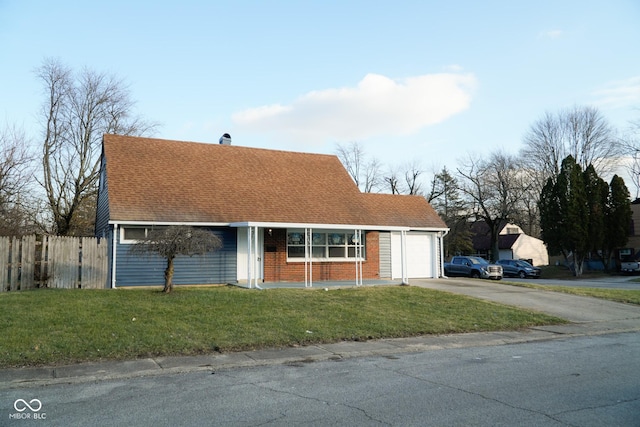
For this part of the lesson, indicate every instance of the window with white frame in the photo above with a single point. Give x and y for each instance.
(133, 234)
(326, 245)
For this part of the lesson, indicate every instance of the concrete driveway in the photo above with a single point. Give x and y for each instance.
(575, 308)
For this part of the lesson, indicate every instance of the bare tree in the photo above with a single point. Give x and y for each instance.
(404, 179)
(494, 188)
(364, 170)
(631, 147)
(633, 169)
(581, 132)
(169, 242)
(391, 179)
(16, 171)
(78, 110)
(412, 173)
(371, 175)
(527, 215)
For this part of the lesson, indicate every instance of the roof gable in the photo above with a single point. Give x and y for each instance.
(155, 180)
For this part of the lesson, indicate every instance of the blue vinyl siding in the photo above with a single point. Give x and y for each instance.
(212, 268)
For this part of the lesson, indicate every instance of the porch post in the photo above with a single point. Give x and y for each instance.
(441, 253)
(357, 239)
(256, 255)
(249, 278)
(308, 257)
(403, 252)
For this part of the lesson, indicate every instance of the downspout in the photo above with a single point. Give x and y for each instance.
(358, 255)
(249, 256)
(441, 263)
(403, 256)
(114, 240)
(308, 258)
(255, 257)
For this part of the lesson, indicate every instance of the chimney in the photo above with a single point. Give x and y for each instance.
(225, 139)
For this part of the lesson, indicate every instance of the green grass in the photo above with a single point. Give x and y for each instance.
(618, 295)
(564, 273)
(56, 326)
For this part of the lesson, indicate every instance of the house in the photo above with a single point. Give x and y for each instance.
(282, 216)
(513, 243)
(632, 249)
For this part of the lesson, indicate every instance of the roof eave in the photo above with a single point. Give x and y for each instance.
(282, 225)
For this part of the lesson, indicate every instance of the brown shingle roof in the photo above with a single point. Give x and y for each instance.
(158, 180)
(401, 211)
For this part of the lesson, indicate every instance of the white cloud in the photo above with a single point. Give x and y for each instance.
(619, 93)
(454, 68)
(377, 106)
(552, 34)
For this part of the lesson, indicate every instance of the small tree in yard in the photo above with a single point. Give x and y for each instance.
(176, 240)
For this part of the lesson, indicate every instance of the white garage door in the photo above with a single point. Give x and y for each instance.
(419, 255)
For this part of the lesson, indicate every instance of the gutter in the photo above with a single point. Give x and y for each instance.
(444, 233)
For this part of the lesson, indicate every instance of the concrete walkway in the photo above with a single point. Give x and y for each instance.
(589, 316)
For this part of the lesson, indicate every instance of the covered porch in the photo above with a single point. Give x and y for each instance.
(326, 255)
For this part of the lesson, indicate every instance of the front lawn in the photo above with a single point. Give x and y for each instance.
(56, 326)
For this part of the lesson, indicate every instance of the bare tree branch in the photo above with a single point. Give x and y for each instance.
(364, 171)
(581, 132)
(77, 112)
(17, 210)
(169, 242)
(494, 186)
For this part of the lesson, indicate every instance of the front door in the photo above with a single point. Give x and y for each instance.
(250, 255)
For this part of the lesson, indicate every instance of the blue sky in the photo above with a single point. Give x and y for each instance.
(409, 80)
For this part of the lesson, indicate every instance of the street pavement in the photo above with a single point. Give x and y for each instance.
(588, 317)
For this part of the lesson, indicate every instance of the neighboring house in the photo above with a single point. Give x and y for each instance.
(632, 250)
(262, 203)
(512, 243)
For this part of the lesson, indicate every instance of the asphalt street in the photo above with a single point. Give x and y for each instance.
(583, 373)
(580, 381)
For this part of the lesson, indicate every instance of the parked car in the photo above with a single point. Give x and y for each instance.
(519, 268)
(472, 266)
(630, 267)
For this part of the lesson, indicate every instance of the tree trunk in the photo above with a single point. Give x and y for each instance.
(168, 276)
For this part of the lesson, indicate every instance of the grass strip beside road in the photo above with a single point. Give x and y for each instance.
(58, 326)
(617, 295)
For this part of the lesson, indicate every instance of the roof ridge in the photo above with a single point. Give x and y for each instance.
(216, 144)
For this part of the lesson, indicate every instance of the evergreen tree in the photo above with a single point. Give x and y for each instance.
(617, 218)
(446, 200)
(580, 213)
(597, 192)
(550, 221)
(565, 214)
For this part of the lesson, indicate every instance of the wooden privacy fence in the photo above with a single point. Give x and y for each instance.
(52, 262)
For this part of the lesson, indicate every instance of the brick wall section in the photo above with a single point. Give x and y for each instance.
(277, 269)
